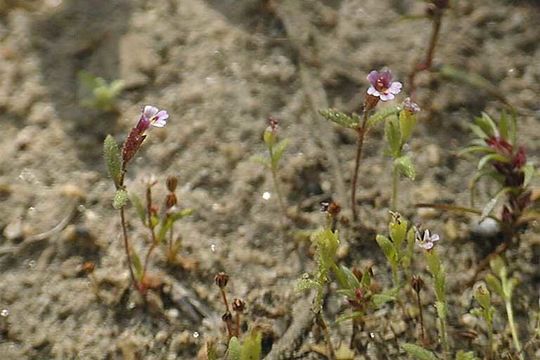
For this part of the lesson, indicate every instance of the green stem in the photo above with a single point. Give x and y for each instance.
(361, 131)
(322, 324)
(395, 180)
(126, 248)
(513, 330)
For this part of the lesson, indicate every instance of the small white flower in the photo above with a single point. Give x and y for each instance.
(427, 241)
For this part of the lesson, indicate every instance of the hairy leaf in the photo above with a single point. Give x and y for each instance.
(120, 198)
(418, 352)
(113, 159)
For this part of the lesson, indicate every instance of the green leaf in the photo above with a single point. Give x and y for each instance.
(113, 159)
(405, 166)
(120, 198)
(477, 130)
(528, 171)
(340, 118)
(477, 149)
(418, 352)
(347, 279)
(487, 124)
(381, 299)
(307, 284)
(137, 265)
(488, 208)
(407, 121)
(398, 231)
(491, 158)
(495, 285)
(393, 137)
(482, 295)
(234, 350)
(141, 211)
(277, 151)
(261, 160)
(505, 126)
(165, 227)
(181, 214)
(388, 248)
(351, 316)
(381, 115)
(462, 355)
(211, 352)
(251, 348)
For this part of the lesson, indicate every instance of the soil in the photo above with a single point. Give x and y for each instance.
(220, 68)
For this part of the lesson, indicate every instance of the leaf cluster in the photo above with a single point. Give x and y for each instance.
(98, 93)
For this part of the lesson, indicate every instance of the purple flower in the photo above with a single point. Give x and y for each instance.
(427, 241)
(151, 115)
(382, 85)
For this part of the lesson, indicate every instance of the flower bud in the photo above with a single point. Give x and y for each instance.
(227, 317)
(221, 280)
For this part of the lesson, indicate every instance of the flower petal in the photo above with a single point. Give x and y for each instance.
(385, 77)
(395, 88)
(387, 96)
(162, 115)
(373, 76)
(159, 123)
(150, 111)
(373, 91)
(435, 237)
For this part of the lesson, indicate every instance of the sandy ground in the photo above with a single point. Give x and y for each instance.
(220, 68)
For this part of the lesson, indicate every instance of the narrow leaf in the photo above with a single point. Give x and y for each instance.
(388, 248)
(234, 350)
(251, 348)
(418, 352)
(137, 265)
(111, 152)
(339, 118)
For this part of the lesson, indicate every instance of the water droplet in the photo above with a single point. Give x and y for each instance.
(266, 195)
(213, 247)
(372, 335)
(81, 208)
(4, 313)
(196, 334)
(511, 70)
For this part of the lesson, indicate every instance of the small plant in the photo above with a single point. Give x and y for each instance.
(381, 88)
(117, 164)
(427, 242)
(246, 347)
(398, 248)
(99, 94)
(398, 131)
(486, 311)
(504, 286)
(275, 148)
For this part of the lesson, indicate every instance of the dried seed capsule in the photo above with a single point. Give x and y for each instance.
(221, 279)
(417, 283)
(172, 183)
(238, 305)
(170, 200)
(227, 317)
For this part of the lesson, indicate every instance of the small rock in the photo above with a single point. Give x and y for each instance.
(14, 230)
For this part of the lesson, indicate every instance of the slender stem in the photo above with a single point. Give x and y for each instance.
(150, 227)
(329, 347)
(513, 330)
(428, 62)
(224, 297)
(361, 131)
(171, 255)
(277, 189)
(127, 249)
(419, 304)
(444, 336)
(237, 324)
(395, 180)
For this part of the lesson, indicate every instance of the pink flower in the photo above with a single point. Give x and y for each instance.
(427, 241)
(382, 85)
(151, 115)
(411, 106)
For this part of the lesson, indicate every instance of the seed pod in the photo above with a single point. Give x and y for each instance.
(221, 280)
(417, 283)
(170, 200)
(172, 183)
(238, 305)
